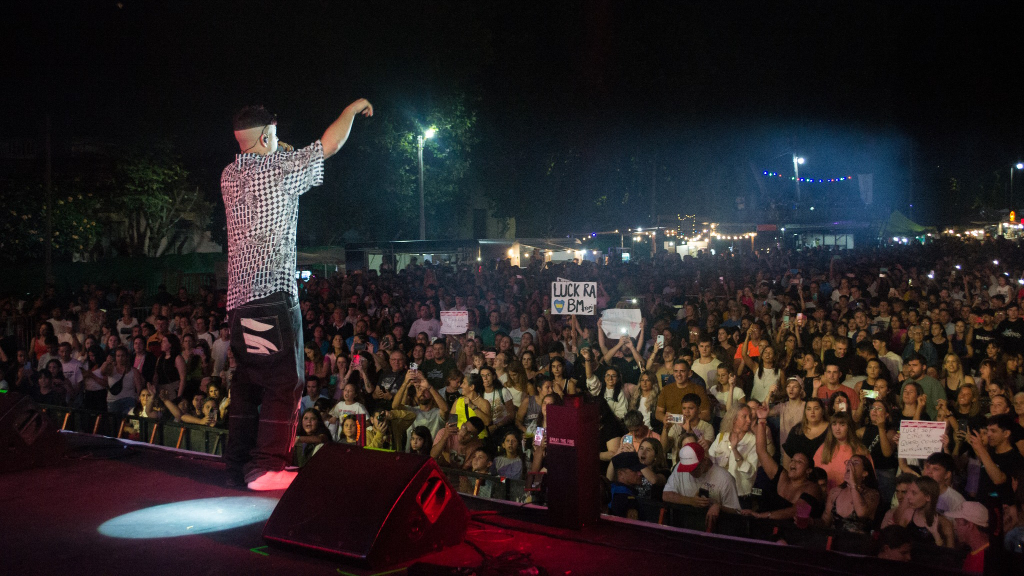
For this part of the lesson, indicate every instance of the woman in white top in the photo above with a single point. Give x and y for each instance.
(735, 448)
(644, 398)
(613, 393)
(147, 406)
(725, 391)
(124, 382)
(502, 410)
(518, 383)
(766, 373)
(348, 406)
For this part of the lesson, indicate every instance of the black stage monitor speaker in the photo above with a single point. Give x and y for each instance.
(28, 437)
(574, 474)
(369, 507)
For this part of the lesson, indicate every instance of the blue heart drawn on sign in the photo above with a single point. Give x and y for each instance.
(559, 304)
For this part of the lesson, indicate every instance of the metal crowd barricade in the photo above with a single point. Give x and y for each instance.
(180, 435)
(689, 517)
(486, 485)
(21, 328)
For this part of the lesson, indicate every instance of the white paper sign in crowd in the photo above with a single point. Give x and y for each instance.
(619, 322)
(574, 298)
(454, 321)
(920, 439)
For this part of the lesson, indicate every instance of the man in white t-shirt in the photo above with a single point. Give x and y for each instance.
(706, 365)
(425, 323)
(72, 369)
(892, 361)
(219, 349)
(939, 467)
(697, 481)
(202, 331)
(524, 326)
(125, 324)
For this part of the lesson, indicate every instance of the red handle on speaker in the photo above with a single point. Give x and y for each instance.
(433, 497)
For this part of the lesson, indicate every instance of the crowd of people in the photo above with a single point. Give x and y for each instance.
(771, 383)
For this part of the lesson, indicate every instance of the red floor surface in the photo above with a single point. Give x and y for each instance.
(50, 519)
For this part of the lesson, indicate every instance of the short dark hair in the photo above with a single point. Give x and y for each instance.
(681, 360)
(1003, 421)
(691, 397)
(477, 423)
(252, 117)
(919, 357)
(832, 362)
(941, 459)
(1003, 396)
(893, 537)
(904, 479)
(866, 347)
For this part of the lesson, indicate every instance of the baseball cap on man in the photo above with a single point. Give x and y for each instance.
(973, 512)
(690, 456)
(627, 461)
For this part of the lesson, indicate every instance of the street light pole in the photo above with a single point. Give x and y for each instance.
(423, 215)
(1018, 166)
(797, 161)
(419, 150)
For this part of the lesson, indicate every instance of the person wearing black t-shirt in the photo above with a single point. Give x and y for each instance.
(44, 391)
(390, 379)
(437, 369)
(983, 335)
(1011, 330)
(1000, 404)
(1000, 458)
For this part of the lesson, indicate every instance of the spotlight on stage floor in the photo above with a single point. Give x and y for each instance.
(190, 517)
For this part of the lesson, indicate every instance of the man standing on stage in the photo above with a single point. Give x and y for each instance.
(261, 191)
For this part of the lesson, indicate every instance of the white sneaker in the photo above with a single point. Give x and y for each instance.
(280, 480)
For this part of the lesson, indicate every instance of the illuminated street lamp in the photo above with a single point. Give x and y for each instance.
(797, 161)
(1018, 166)
(419, 148)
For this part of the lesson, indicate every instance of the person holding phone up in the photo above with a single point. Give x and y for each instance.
(417, 404)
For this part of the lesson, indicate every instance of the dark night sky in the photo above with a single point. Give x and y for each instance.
(915, 92)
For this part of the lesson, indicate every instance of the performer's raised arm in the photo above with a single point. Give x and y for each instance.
(337, 133)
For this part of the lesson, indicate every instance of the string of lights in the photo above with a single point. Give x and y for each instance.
(809, 180)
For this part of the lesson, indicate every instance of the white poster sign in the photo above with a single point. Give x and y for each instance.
(920, 439)
(454, 322)
(574, 298)
(619, 322)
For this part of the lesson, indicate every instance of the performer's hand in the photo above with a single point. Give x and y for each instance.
(363, 106)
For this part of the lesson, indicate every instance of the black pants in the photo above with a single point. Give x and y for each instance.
(266, 341)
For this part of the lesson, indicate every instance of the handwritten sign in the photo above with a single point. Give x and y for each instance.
(619, 322)
(454, 321)
(574, 298)
(920, 439)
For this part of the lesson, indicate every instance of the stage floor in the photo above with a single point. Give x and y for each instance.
(67, 518)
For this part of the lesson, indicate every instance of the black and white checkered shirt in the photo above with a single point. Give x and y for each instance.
(261, 198)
